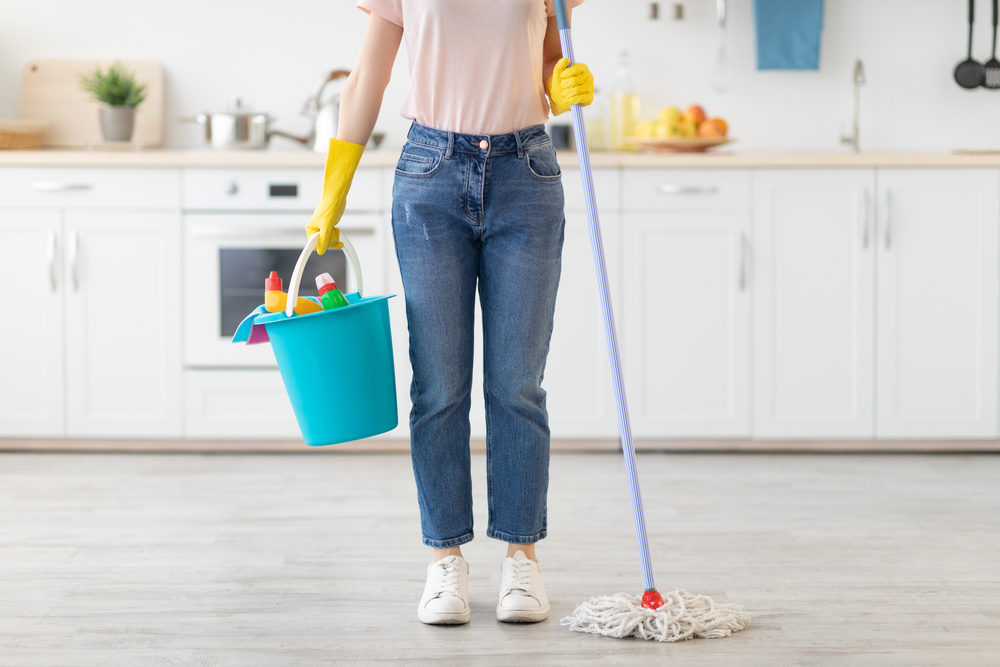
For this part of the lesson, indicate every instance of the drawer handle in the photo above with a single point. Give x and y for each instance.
(687, 189)
(56, 186)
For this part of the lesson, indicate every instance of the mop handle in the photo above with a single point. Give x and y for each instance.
(580, 134)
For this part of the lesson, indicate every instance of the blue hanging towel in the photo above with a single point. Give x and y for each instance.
(788, 33)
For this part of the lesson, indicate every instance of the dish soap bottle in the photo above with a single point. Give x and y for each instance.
(329, 295)
(624, 107)
(275, 300)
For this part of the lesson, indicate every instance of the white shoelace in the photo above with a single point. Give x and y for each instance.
(447, 577)
(519, 577)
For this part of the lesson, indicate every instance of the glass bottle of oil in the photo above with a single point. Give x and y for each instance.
(624, 107)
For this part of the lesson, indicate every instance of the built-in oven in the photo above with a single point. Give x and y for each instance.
(231, 245)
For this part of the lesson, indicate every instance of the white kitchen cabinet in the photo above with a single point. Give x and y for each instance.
(580, 397)
(123, 348)
(938, 273)
(814, 303)
(31, 324)
(686, 323)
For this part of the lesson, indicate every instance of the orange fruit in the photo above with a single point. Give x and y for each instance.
(709, 129)
(723, 125)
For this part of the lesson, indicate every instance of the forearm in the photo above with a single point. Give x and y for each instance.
(360, 103)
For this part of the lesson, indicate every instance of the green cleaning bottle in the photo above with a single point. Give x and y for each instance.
(329, 295)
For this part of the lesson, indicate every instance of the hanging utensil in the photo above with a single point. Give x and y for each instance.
(720, 70)
(992, 67)
(970, 73)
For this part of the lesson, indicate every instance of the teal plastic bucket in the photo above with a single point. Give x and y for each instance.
(337, 365)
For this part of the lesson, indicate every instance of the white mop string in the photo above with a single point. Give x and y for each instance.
(682, 616)
(597, 247)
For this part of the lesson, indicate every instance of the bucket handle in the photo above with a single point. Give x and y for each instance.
(300, 267)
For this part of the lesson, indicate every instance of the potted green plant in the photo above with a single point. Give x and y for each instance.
(121, 93)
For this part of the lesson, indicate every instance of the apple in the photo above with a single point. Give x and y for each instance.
(670, 115)
(695, 113)
(688, 128)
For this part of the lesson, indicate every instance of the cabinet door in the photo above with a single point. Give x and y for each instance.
(31, 364)
(577, 381)
(937, 303)
(123, 329)
(814, 301)
(686, 342)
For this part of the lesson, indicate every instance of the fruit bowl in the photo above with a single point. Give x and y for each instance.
(677, 144)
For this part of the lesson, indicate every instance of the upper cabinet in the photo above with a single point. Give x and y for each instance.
(938, 273)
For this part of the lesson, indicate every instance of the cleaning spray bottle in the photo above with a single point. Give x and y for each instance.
(275, 300)
(329, 295)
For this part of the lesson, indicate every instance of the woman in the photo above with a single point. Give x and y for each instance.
(477, 201)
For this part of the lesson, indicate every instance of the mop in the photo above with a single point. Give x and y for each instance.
(681, 615)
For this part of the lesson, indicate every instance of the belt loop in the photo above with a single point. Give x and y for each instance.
(451, 146)
(520, 146)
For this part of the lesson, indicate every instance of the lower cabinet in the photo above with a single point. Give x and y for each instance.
(31, 324)
(938, 274)
(876, 303)
(814, 303)
(686, 323)
(103, 286)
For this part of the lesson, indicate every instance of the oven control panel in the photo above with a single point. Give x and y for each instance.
(271, 190)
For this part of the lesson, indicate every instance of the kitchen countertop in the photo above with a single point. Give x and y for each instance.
(386, 158)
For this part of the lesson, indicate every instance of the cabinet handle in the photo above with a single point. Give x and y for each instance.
(886, 219)
(743, 261)
(50, 254)
(864, 218)
(686, 189)
(56, 186)
(74, 255)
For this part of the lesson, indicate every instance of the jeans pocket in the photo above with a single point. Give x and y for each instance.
(419, 161)
(540, 161)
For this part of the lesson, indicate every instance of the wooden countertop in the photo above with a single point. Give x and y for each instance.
(387, 158)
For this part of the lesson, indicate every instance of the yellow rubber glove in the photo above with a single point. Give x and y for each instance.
(342, 160)
(569, 85)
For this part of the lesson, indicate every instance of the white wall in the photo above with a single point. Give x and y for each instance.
(270, 53)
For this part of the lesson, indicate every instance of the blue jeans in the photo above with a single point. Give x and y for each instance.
(472, 210)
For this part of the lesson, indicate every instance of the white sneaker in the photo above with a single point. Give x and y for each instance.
(446, 594)
(522, 593)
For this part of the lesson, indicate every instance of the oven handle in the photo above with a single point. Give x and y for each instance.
(227, 232)
(300, 267)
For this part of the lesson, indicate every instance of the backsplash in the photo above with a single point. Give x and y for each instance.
(270, 55)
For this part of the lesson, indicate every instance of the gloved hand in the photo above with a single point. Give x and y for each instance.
(342, 160)
(569, 85)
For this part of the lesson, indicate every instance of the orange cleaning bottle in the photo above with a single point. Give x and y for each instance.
(275, 300)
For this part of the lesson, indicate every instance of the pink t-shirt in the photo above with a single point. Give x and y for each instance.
(475, 65)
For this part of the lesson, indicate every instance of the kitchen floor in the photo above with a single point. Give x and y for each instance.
(312, 559)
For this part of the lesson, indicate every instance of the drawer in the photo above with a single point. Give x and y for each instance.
(686, 189)
(272, 190)
(91, 187)
(605, 189)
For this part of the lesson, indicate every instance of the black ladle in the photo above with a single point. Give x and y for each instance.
(969, 73)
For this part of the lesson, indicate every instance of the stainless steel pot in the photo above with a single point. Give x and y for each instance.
(237, 128)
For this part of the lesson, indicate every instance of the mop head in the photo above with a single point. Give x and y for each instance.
(682, 616)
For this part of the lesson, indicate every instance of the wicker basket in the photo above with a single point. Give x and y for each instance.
(22, 133)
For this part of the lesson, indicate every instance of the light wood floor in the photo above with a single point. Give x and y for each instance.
(279, 559)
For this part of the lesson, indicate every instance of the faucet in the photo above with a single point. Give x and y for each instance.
(859, 80)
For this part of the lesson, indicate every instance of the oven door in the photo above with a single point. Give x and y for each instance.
(227, 257)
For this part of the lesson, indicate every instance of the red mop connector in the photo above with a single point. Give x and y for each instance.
(652, 599)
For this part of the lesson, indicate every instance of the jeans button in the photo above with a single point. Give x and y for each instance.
(484, 144)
